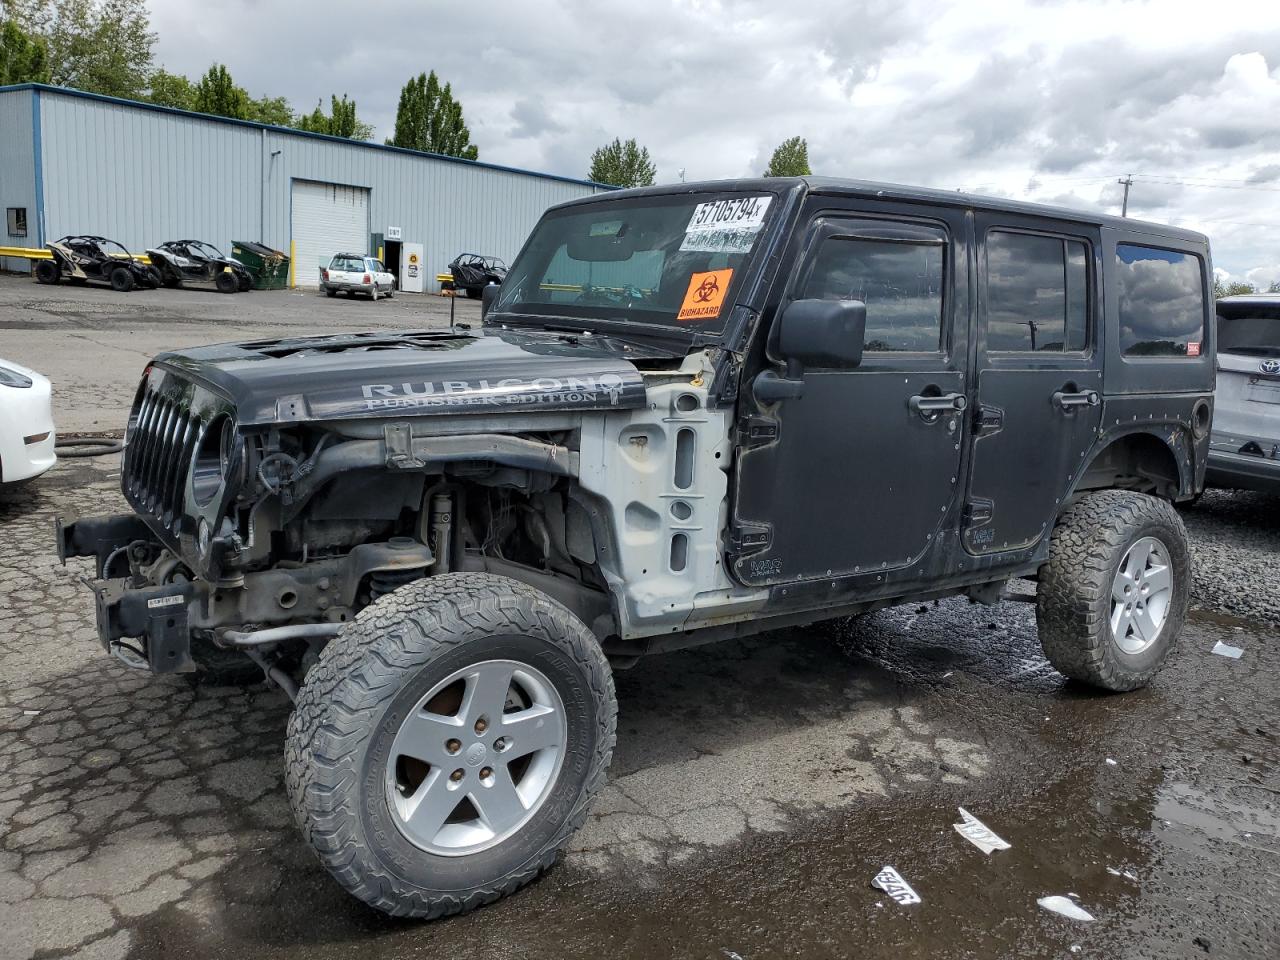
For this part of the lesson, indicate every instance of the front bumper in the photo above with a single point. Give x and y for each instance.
(26, 413)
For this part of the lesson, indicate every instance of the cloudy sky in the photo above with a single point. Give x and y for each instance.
(1043, 100)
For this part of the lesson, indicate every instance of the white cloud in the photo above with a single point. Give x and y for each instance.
(1049, 101)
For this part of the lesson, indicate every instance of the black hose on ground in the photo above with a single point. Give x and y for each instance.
(87, 446)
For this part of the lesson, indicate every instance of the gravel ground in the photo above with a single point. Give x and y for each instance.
(1235, 541)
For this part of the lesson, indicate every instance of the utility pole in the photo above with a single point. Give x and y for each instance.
(1128, 182)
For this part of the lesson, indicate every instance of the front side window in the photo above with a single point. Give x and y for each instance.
(657, 260)
(1161, 302)
(1037, 293)
(900, 281)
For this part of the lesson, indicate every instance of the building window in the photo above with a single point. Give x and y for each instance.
(1161, 302)
(900, 281)
(1037, 294)
(16, 218)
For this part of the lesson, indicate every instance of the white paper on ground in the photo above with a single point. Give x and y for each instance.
(978, 833)
(890, 881)
(1226, 650)
(1066, 907)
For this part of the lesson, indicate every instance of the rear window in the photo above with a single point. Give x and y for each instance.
(347, 263)
(1037, 293)
(1161, 302)
(1251, 330)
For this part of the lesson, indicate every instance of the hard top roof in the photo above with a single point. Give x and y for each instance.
(837, 186)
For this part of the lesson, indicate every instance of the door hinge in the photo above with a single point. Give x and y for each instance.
(978, 512)
(757, 430)
(747, 538)
(987, 420)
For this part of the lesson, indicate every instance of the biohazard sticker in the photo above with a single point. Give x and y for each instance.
(705, 296)
(725, 226)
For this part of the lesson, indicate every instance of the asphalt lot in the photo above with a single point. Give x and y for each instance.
(757, 787)
(93, 342)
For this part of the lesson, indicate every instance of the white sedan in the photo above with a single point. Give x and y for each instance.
(355, 273)
(27, 436)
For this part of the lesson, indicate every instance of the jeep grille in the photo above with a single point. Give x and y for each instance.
(158, 455)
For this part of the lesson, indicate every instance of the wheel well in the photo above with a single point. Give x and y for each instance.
(1137, 461)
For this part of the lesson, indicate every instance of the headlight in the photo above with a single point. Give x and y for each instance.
(12, 378)
(212, 460)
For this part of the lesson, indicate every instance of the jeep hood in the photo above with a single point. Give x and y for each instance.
(415, 374)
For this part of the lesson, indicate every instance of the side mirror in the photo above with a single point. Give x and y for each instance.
(813, 333)
(488, 297)
(823, 333)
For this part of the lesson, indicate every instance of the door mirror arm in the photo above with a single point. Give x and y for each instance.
(768, 387)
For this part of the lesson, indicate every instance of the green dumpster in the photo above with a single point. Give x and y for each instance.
(270, 268)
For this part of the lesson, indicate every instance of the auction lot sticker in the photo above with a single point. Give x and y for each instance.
(705, 296)
(725, 226)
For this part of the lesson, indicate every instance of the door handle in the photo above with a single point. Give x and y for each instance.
(1065, 400)
(930, 408)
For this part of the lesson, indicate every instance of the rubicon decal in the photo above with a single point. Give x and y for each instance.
(595, 390)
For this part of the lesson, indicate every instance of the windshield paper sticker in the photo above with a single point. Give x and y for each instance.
(705, 296)
(725, 226)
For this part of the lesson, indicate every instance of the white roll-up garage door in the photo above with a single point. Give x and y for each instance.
(327, 219)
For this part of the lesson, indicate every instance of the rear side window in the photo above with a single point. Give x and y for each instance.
(1037, 294)
(900, 281)
(1161, 302)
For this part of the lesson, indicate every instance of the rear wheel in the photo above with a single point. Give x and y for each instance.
(448, 743)
(475, 293)
(330, 293)
(226, 283)
(121, 279)
(154, 277)
(245, 284)
(48, 271)
(1113, 596)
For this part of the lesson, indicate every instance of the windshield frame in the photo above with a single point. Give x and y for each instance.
(746, 286)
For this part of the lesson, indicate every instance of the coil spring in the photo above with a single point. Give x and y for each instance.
(383, 582)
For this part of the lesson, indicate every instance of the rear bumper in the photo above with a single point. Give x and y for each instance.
(347, 287)
(1238, 471)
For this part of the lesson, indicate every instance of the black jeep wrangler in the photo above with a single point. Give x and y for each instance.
(693, 412)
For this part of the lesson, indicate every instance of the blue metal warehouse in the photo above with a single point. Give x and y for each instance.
(74, 162)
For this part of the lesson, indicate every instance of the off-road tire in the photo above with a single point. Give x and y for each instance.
(244, 284)
(331, 293)
(121, 279)
(48, 271)
(226, 283)
(351, 705)
(154, 278)
(475, 293)
(1073, 600)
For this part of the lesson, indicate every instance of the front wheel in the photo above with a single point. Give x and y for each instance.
(121, 279)
(449, 742)
(1113, 595)
(226, 283)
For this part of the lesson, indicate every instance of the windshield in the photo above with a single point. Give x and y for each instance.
(668, 261)
(1253, 330)
(206, 250)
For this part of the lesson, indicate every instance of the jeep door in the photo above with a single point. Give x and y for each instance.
(1039, 375)
(853, 479)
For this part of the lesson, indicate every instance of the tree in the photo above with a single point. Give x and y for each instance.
(273, 110)
(622, 165)
(103, 46)
(23, 58)
(172, 90)
(1233, 288)
(341, 121)
(430, 119)
(218, 94)
(791, 159)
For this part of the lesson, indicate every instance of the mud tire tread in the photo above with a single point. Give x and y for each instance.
(357, 676)
(1073, 597)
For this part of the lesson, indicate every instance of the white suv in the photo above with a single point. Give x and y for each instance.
(355, 273)
(1244, 449)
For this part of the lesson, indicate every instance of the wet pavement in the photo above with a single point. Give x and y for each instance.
(757, 788)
